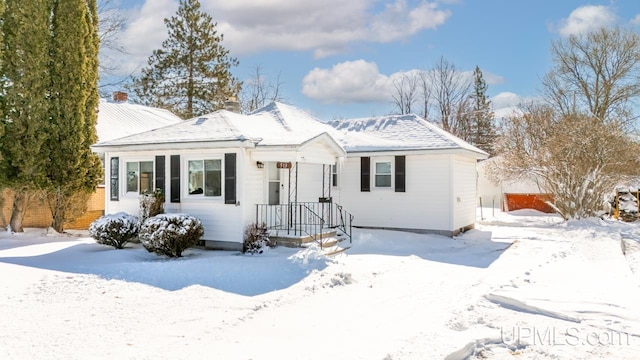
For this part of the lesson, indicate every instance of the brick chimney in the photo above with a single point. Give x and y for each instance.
(232, 104)
(120, 96)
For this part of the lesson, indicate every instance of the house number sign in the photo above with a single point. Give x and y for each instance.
(283, 165)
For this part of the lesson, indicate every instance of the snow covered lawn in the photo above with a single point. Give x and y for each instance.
(521, 286)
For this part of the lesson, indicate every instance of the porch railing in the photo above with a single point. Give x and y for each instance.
(305, 218)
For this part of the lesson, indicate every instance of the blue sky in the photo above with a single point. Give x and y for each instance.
(336, 58)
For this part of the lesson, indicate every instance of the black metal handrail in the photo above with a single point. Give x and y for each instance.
(296, 218)
(309, 218)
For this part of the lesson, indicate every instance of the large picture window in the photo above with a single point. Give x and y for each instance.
(140, 176)
(383, 174)
(205, 177)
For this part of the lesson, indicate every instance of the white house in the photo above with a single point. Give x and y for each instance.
(282, 166)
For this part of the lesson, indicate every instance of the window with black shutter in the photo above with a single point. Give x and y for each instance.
(115, 179)
(230, 178)
(365, 174)
(175, 178)
(400, 165)
(160, 174)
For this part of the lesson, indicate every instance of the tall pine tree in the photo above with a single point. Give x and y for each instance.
(482, 127)
(74, 170)
(25, 109)
(190, 75)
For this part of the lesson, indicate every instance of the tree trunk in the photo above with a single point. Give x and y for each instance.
(58, 221)
(57, 206)
(20, 202)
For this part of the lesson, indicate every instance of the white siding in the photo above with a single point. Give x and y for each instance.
(309, 182)
(464, 192)
(424, 206)
(254, 187)
(222, 222)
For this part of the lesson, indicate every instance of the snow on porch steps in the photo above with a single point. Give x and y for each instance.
(292, 240)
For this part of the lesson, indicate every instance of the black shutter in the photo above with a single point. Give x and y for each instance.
(160, 174)
(400, 173)
(230, 178)
(114, 182)
(175, 178)
(365, 174)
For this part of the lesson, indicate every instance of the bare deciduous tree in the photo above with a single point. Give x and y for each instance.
(111, 24)
(258, 91)
(450, 89)
(405, 92)
(426, 92)
(598, 73)
(577, 158)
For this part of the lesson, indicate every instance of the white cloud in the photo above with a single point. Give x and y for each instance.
(398, 21)
(587, 18)
(506, 100)
(249, 26)
(145, 32)
(636, 20)
(350, 81)
(361, 81)
(324, 27)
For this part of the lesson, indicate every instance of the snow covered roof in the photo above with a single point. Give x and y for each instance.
(120, 119)
(276, 124)
(397, 132)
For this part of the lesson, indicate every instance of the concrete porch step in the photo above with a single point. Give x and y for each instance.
(334, 250)
(290, 240)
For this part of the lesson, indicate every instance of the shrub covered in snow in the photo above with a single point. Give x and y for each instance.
(151, 204)
(256, 238)
(115, 229)
(170, 234)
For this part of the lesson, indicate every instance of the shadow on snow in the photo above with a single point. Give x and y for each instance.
(474, 248)
(223, 270)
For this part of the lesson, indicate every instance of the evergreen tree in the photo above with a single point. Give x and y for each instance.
(190, 75)
(482, 128)
(25, 73)
(74, 170)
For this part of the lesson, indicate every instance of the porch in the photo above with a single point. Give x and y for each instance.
(297, 224)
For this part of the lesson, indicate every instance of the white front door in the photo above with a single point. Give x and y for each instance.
(273, 179)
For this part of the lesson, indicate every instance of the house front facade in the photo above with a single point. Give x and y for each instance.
(227, 169)
(282, 167)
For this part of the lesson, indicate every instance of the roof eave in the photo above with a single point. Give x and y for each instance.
(224, 144)
(443, 151)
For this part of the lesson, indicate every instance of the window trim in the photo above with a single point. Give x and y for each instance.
(380, 160)
(124, 172)
(185, 176)
(334, 175)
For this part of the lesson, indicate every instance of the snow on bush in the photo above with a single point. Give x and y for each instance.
(115, 229)
(256, 239)
(170, 234)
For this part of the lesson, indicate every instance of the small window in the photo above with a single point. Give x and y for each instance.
(334, 175)
(140, 176)
(383, 174)
(205, 177)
